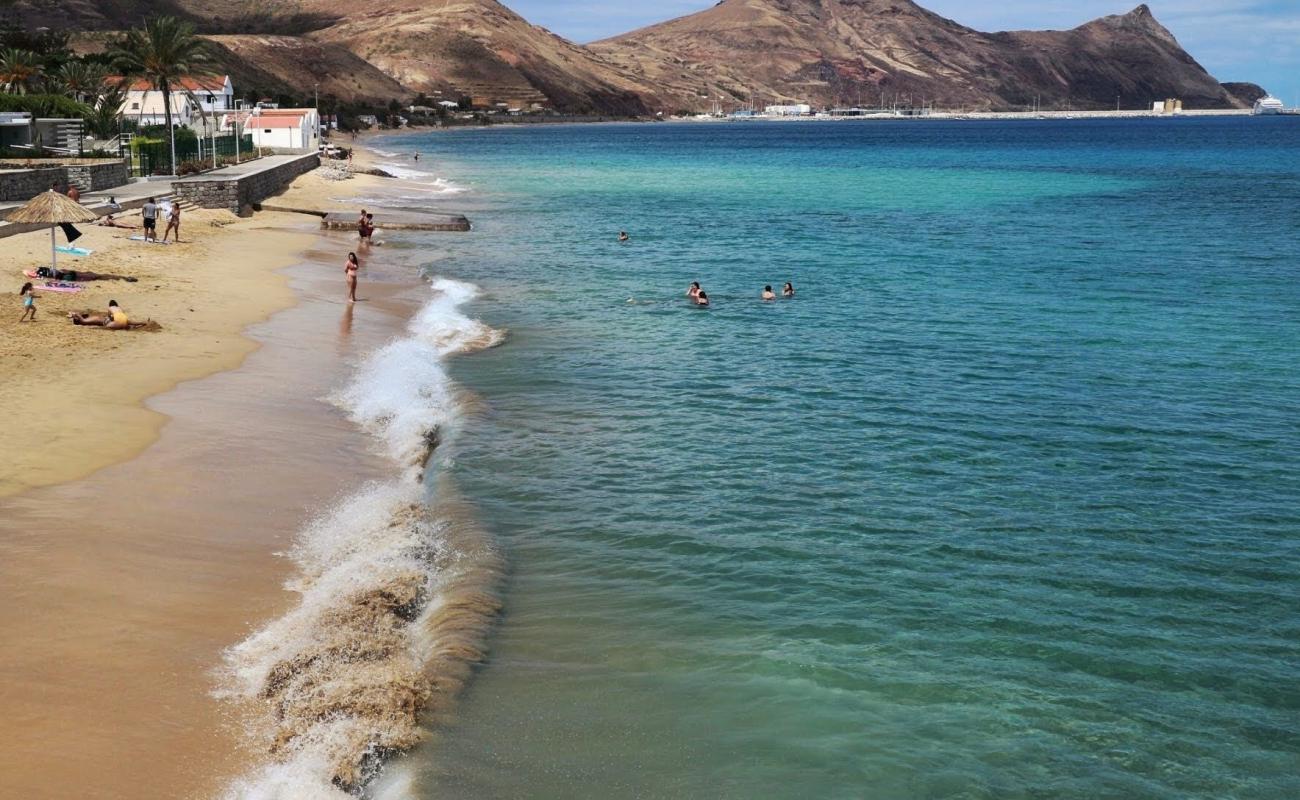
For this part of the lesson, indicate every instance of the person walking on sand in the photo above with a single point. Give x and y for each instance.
(173, 223)
(350, 269)
(768, 294)
(149, 213)
(29, 295)
(74, 194)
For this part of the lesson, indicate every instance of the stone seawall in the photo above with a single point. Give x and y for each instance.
(24, 184)
(234, 188)
(96, 176)
(23, 180)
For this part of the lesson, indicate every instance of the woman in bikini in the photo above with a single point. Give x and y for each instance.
(350, 269)
(173, 222)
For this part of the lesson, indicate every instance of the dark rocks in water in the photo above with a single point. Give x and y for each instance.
(375, 171)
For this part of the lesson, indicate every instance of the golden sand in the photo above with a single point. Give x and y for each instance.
(123, 587)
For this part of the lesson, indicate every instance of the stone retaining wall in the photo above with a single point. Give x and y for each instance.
(234, 190)
(24, 184)
(101, 175)
(23, 180)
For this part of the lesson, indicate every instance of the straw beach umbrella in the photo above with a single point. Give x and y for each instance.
(51, 208)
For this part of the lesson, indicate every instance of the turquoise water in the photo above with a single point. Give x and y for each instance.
(1004, 504)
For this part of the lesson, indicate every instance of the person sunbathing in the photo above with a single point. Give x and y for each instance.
(79, 275)
(115, 320)
(107, 221)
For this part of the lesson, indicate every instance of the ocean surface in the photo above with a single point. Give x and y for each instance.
(1005, 503)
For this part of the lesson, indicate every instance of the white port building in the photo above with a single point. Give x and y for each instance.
(796, 110)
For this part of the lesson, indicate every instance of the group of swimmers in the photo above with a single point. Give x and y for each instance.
(366, 227)
(701, 298)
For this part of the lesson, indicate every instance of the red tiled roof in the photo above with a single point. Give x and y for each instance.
(213, 84)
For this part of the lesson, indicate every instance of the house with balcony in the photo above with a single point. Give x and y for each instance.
(195, 100)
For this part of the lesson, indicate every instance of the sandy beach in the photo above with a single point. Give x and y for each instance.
(145, 503)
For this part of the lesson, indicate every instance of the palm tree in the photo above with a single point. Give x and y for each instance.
(85, 80)
(163, 52)
(103, 117)
(18, 70)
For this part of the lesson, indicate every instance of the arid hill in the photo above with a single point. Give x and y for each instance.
(481, 48)
(824, 52)
(851, 51)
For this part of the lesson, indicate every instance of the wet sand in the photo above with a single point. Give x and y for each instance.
(122, 589)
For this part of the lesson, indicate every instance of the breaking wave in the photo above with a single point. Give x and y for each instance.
(395, 592)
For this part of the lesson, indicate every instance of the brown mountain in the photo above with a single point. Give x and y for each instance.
(851, 51)
(479, 48)
(825, 52)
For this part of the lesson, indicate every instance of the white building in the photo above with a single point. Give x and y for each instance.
(190, 101)
(277, 128)
(796, 110)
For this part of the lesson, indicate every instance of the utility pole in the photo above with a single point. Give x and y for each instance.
(239, 108)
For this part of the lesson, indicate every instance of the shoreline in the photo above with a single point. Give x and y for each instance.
(141, 541)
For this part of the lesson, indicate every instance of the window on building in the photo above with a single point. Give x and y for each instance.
(135, 106)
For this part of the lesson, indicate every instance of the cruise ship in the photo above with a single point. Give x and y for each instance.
(1268, 104)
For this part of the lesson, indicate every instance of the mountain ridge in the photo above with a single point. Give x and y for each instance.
(737, 52)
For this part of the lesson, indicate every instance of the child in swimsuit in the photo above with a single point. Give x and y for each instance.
(28, 294)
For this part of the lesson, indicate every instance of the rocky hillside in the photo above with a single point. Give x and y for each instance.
(482, 49)
(851, 51)
(825, 52)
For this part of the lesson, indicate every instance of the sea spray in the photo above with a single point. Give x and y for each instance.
(395, 595)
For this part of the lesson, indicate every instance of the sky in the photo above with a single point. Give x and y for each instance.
(1236, 40)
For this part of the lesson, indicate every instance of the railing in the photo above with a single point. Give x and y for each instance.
(154, 158)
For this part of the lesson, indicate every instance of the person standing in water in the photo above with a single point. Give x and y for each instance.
(702, 300)
(623, 237)
(694, 290)
(29, 295)
(350, 270)
(787, 290)
(768, 294)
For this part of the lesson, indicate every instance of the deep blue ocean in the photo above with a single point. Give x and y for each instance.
(1005, 503)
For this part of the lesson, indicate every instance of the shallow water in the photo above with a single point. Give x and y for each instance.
(1003, 504)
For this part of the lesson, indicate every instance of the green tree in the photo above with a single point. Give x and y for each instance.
(162, 53)
(19, 70)
(83, 80)
(103, 117)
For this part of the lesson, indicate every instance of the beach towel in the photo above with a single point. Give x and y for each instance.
(73, 251)
(58, 286)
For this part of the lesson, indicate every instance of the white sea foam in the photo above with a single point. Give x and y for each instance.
(422, 178)
(394, 595)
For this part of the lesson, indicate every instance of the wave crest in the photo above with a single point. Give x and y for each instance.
(395, 596)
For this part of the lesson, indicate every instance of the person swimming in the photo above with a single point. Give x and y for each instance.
(623, 237)
(768, 294)
(702, 299)
(694, 290)
(787, 290)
